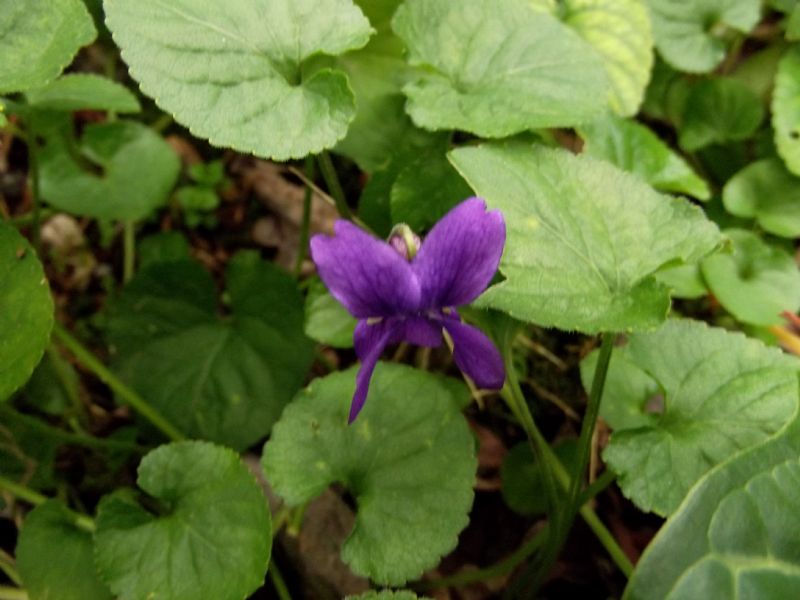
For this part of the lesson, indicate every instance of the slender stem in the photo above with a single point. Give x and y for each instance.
(334, 187)
(33, 497)
(12, 593)
(306, 224)
(607, 540)
(278, 582)
(598, 485)
(9, 566)
(496, 570)
(68, 384)
(589, 422)
(65, 436)
(129, 250)
(138, 403)
(36, 209)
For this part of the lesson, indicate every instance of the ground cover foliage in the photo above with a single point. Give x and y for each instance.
(230, 367)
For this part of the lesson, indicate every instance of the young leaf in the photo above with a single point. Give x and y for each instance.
(137, 172)
(736, 533)
(80, 91)
(496, 67)
(209, 536)
(690, 33)
(55, 557)
(722, 393)
(634, 148)
(767, 192)
(409, 460)
(756, 282)
(584, 239)
(40, 38)
(327, 321)
(786, 109)
(620, 31)
(225, 380)
(26, 311)
(719, 110)
(239, 73)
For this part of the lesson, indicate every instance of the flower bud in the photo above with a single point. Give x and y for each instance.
(405, 241)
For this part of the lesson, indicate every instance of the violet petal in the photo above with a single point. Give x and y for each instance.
(460, 255)
(476, 355)
(421, 331)
(370, 341)
(365, 274)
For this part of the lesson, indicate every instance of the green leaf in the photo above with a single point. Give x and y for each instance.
(209, 537)
(40, 38)
(756, 282)
(523, 485)
(690, 34)
(496, 67)
(684, 281)
(26, 311)
(26, 456)
(226, 380)
(722, 393)
(793, 25)
(735, 535)
(327, 321)
(767, 192)
(137, 170)
(425, 189)
(167, 246)
(79, 91)
(717, 111)
(634, 148)
(241, 74)
(786, 109)
(45, 389)
(55, 557)
(409, 460)
(583, 238)
(620, 31)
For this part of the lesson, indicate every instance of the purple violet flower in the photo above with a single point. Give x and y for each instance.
(399, 293)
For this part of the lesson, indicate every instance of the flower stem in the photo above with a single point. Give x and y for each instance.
(91, 362)
(302, 245)
(128, 250)
(334, 187)
(12, 593)
(33, 497)
(278, 582)
(9, 566)
(36, 209)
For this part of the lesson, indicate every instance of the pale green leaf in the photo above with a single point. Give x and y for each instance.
(756, 282)
(239, 73)
(497, 67)
(39, 38)
(786, 109)
(735, 535)
(767, 192)
(633, 147)
(684, 281)
(717, 111)
(228, 379)
(327, 321)
(137, 170)
(620, 31)
(409, 460)
(80, 91)
(55, 557)
(584, 239)
(206, 534)
(690, 34)
(722, 393)
(26, 311)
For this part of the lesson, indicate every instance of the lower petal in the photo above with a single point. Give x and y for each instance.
(421, 331)
(476, 355)
(370, 341)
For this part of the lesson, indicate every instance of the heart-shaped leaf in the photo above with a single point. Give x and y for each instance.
(496, 67)
(327, 321)
(240, 73)
(584, 239)
(55, 557)
(26, 311)
(690, 33)
(40, 38)
(204, 531)
(137, 172)
(767, 192)
(409, 460)
(81, 91)
(735, 535)
(756, 282)
(786, 109)
(720, 392)
(228, 379)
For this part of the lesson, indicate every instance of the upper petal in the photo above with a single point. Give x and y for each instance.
(476, 355)
(460, 255)
(365, 274)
